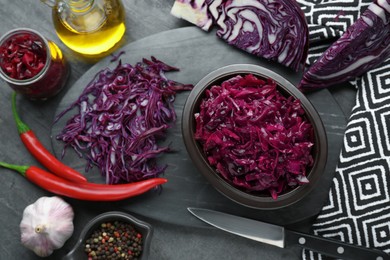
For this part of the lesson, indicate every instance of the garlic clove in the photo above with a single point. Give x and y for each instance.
(46, 225)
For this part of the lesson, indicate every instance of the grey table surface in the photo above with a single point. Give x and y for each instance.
(170, 241)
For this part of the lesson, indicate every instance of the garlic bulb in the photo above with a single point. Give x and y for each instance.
(46, 225)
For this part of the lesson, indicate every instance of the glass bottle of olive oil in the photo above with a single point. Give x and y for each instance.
(89, 27)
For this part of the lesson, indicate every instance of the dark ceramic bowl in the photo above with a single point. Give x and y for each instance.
(144, 228)
(194, 148)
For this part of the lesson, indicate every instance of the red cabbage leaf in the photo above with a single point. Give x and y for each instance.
(364, 46)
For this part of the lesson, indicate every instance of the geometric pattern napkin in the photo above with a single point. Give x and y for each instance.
(357, 210)
(358, 207)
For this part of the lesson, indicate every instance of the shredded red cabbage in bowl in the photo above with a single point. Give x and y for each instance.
(258, 139)
(122, 114)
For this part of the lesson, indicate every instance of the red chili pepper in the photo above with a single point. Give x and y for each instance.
(84, 191)
(40, 153)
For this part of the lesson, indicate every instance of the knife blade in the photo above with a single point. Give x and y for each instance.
(282, 237)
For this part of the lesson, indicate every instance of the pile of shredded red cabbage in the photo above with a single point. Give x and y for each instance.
(257, 139)
(122, 115)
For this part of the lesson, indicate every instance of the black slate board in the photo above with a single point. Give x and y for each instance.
(197, 53)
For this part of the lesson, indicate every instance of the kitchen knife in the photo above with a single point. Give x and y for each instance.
(281, 237)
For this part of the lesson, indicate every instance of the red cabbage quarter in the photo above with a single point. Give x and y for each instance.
(122, 114)
(274, 30)
(193, 11)
(257, 139)
(364, 46)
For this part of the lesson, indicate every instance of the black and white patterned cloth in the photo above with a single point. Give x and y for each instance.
(358, 207)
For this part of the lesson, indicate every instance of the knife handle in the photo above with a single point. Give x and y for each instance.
(333, 247)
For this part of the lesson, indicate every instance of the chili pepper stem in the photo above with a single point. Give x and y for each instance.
(19, 168)
(22, 127)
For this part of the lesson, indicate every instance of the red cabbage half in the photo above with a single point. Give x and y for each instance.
(275, 30)
(122, 114)
(256, 138)
(364, 46)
